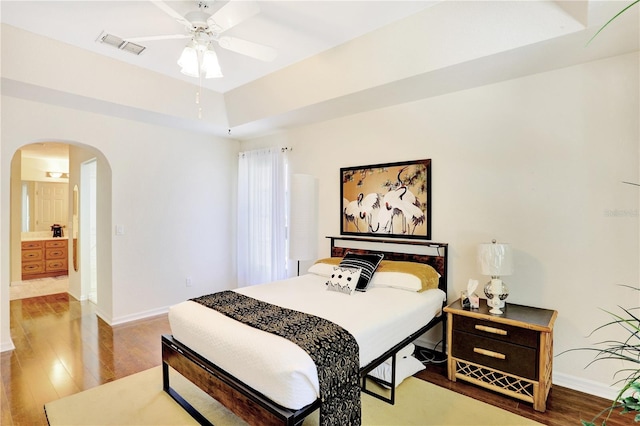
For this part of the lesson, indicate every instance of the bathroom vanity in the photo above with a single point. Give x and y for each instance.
(44, 258)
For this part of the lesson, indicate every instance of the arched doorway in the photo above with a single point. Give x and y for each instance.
(78, 212)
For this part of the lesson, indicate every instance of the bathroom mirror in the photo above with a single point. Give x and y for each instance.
(28, 202)
(75, 228)
(43, 204)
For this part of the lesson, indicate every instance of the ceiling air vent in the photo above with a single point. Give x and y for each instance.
(120, 43)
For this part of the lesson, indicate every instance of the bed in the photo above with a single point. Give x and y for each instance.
(228, 360)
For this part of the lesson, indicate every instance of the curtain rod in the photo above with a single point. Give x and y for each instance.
(282, 149)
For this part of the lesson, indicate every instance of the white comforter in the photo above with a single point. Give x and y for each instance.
(378, 318)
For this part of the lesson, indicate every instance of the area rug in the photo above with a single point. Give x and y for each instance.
(139, 400)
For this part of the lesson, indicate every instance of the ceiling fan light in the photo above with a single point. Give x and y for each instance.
(210, 65)
(188, 60)
(189, 72)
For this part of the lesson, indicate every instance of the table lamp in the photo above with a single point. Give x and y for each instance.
(495, 260)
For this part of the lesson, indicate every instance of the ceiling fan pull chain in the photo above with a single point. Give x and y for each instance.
(200, 85)
(198, 102)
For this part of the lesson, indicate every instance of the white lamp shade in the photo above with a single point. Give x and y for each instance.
(495, 259)
(188, 61)
(210, 64)
(303, 227)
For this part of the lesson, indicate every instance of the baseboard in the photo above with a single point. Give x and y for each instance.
(138, 316)
(584, 385)
(75, 296)
(7, 346)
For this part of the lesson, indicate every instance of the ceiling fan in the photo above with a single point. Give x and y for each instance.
(198, 59)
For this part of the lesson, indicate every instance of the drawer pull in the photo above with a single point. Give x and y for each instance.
(489, 353)
(492, 330)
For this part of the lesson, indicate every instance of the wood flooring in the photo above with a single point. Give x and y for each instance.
(62, 348)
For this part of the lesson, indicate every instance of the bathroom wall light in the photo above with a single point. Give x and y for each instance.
(57, 175)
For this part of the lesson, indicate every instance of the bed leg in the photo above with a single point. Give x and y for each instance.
(392, 401)
(392, 385)
(181, 401)
(165, 377)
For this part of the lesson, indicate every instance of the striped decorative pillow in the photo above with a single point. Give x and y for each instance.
(367, 262)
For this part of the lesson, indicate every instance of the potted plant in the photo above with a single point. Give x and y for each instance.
(628, 350)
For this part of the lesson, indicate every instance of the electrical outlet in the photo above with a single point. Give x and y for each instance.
(188, 281)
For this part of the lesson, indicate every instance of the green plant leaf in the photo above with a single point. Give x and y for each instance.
(611, 20)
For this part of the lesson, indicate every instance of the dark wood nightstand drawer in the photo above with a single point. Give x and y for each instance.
(515, 359)
(503, 332)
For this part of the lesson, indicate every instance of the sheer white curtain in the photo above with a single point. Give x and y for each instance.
(262, 216)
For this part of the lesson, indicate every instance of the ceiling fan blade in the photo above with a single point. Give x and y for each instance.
(231, 14)
(169, 11)
(158, 37)
(248, 48)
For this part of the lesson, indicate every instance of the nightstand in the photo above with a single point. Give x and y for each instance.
(510, 353)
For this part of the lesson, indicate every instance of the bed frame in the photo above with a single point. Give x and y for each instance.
(256, 408)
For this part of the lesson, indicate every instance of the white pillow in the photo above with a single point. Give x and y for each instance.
(322, 269)
(404, 352)
(344, 279)
(405, 367)
(399, 280)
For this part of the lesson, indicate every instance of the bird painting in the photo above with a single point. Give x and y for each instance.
(391, 199)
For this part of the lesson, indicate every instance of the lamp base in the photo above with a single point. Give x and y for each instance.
(496, 302)
(496, 291)
(495, 310)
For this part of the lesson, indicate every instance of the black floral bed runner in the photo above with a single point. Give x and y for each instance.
(332, 348)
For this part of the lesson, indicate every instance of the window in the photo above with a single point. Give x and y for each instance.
(262, 216)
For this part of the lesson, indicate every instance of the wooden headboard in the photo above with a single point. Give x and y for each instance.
(433, 254)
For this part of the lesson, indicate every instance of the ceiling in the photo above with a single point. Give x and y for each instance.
(297, 29)
(360, 54)
(46, 150)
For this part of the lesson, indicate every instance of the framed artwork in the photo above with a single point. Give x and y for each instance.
(390, 200)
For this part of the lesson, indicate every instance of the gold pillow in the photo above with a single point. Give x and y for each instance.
(330, 260)
(428, 276)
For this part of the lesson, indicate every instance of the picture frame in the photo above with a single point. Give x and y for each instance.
(387, 200)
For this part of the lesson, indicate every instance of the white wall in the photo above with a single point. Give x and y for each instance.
(173, 191)
(536, 162)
